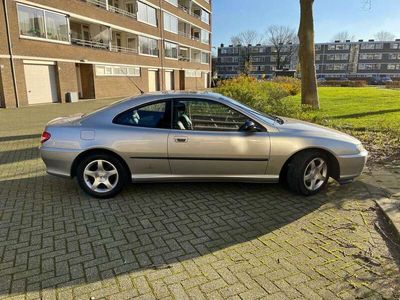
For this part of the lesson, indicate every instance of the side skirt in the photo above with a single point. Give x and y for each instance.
(204, 178)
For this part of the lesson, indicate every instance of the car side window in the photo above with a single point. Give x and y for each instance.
(206, 115)
(154, 115)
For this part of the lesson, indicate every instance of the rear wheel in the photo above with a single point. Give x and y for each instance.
(101, 175)
(308, 172)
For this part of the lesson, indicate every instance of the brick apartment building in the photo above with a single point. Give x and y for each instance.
(50, 49)
(362, 59)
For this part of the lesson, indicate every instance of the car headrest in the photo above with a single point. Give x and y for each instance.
(181, 107)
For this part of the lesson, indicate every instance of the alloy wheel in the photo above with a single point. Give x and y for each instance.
(101, 176)
(315, 174)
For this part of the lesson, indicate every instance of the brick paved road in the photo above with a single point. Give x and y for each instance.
(179, 241)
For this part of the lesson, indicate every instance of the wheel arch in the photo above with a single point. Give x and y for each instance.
(97, 151)
(334, 167)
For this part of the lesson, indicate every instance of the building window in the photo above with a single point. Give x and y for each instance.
(333, 47)
(146, 14)
(205, 16)
(340, 67)
(205, 58)
(318, 47)
(371, 46)
(342, 47)
(148, 46)
(171, 50)
(393, 66)
(109, 70)
(205, 37)
(170, 23)
(192, 73)
(31, 21)
(329, 67)
(370, 56)
(395, 46)
(369, 66)
(39, 23)
(173, 2)
(258, 59)
(393, 56)
(342, 56)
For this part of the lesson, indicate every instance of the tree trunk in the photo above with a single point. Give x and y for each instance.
(309, 92)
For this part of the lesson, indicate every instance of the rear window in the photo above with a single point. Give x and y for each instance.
(154, 115)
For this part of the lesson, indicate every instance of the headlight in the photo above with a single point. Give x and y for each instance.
(360, 148)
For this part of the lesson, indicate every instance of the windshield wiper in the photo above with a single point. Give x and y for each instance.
(278, 120)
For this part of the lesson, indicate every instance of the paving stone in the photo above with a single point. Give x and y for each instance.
(179, 240)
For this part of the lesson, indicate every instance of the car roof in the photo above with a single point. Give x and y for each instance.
(127, 103)
(156, 96)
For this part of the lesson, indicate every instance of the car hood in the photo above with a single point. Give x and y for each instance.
(302, 128)
(70, 120)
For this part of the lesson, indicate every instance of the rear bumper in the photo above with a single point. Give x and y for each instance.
(58, 161)
(351, 166)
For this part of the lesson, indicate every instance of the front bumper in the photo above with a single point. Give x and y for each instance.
(351, 166)
(58, 161)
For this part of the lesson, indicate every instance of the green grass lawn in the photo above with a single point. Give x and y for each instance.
(367, 108)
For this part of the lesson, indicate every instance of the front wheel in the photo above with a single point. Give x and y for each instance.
(308, 172)
(101, 176)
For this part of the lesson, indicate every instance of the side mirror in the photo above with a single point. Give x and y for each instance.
(249, 126)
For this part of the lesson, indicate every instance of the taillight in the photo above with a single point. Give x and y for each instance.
(45, 137)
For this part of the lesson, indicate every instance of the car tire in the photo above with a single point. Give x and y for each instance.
(308, 172)
(101, 175)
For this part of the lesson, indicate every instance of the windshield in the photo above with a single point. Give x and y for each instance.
(264, 116)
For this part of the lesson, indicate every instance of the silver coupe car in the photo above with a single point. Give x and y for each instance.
(195, 137)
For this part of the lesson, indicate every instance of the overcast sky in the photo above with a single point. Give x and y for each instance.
(331, 16)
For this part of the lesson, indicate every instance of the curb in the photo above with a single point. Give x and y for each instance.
(391, 208)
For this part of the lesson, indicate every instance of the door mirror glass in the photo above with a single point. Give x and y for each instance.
(249, 126)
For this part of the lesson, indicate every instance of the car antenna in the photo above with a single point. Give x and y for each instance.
(134, 83)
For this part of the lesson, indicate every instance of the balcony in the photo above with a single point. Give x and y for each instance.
(184, 54)
(188, 31)
(126, 8)
(101, 37)
(124, 42)
(195, 56)
(190, 8)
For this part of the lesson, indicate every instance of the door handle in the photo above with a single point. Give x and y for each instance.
(181, 139)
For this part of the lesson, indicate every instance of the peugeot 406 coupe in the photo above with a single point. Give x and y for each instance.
(195, 137)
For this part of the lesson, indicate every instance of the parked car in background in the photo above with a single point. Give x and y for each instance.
(195, 137)
(380, 80)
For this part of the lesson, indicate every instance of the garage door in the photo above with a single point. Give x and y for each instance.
(169, 80)
(41, 84)
(153, 81)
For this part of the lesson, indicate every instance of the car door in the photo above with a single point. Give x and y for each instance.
(142, 137)
(206, 140)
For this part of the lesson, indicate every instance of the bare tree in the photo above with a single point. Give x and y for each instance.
(367, 4)
(284, 43)
(309, 92)
(245, 63)
(384, 36)
(246, 37)
(343, 36)
(235, 40)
